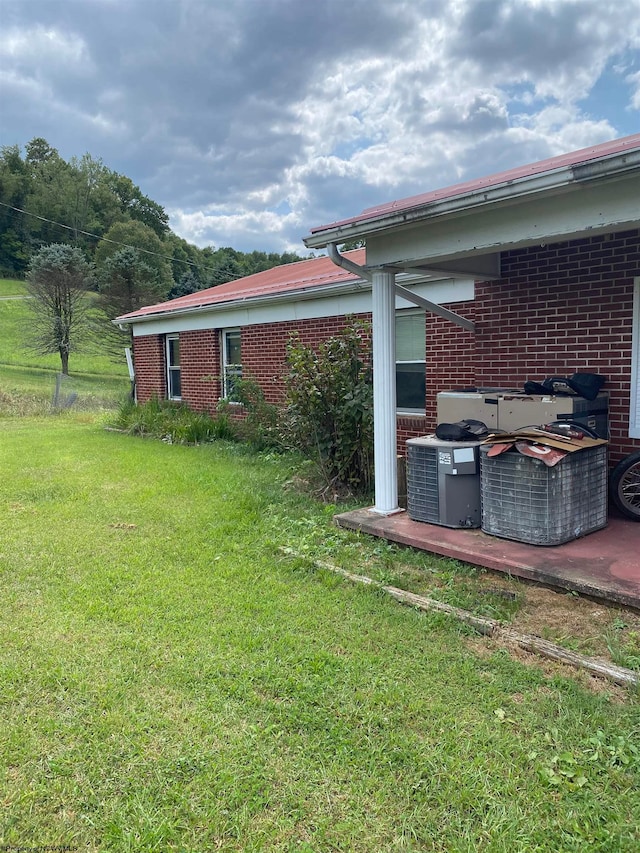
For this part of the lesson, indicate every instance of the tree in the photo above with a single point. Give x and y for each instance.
(135, 205)
(14, 254)
(185, 257)
(92, 206)
(150, 248)
(51, 188)
(187, 283)
(57, 281)
(126, 282)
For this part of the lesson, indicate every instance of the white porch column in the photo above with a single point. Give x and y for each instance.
(384, 392)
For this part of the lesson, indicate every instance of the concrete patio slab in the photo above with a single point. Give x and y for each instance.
(604, 564)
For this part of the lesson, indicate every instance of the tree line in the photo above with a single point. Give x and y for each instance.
(83, 203)
(82, 227)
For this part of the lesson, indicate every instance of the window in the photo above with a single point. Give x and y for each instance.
(173, 367)
(410, 361)
(231, 361)
(634, 414)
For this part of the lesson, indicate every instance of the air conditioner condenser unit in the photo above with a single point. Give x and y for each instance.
(443, 481)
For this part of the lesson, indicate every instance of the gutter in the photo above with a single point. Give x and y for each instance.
(567, 177)
(340, 261)
(420, 301)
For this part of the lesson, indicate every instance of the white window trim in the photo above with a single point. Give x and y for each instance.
(406, 412)
(225, 365)
(634, 410)
(170, 367)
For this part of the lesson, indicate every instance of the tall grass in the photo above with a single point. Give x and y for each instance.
(172, 422)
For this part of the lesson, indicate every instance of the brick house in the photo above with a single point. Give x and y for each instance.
(190, 348)
(526, 274)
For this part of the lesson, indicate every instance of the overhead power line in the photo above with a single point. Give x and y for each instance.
(117, 242)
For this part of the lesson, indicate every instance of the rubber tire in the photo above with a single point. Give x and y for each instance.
(624, 476)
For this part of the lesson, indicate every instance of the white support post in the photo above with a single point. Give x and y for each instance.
(384, 392)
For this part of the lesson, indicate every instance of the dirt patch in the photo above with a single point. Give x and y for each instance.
(485, 647)
(579, 624)
(588, 627)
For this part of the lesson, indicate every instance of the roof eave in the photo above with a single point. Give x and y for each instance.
(350, 285)
(509, 191)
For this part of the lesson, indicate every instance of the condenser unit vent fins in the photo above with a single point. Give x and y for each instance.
(524, 500)
(423, 503)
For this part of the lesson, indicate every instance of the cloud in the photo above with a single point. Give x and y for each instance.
(560, 48)
(634, 80)
(34, 46)
(251, 121)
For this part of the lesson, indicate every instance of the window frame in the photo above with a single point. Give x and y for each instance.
(227, 392)
(634, 403)
(407, 312)
(172, 369)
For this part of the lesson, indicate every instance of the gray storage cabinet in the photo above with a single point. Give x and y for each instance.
(516, 411)
(524, 500)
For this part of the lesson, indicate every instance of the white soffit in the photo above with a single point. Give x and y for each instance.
(580, 210)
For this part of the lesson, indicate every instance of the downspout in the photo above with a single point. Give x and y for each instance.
(384, 380)
(128, 354)
(403, 292)
(340, 261)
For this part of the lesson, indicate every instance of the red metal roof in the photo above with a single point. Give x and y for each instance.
(573, 158)
(302, 275)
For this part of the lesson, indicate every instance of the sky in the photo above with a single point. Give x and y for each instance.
(253, 121)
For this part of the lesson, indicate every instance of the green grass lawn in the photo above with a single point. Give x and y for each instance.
(170, 681)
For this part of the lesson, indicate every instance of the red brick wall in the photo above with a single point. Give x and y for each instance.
(409, 426)
(451, 356)
(264, 349)
(558, 309)
(200, 369)
(149, 364)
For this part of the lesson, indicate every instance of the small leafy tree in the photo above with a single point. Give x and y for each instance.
(57, 281)
(329, 405)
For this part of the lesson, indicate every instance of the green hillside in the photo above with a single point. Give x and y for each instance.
(28, 380)
(11, 287)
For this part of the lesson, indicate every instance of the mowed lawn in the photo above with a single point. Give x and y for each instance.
(171, 682)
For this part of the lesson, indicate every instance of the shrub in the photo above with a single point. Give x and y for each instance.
(329, 405)
(259, 426)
